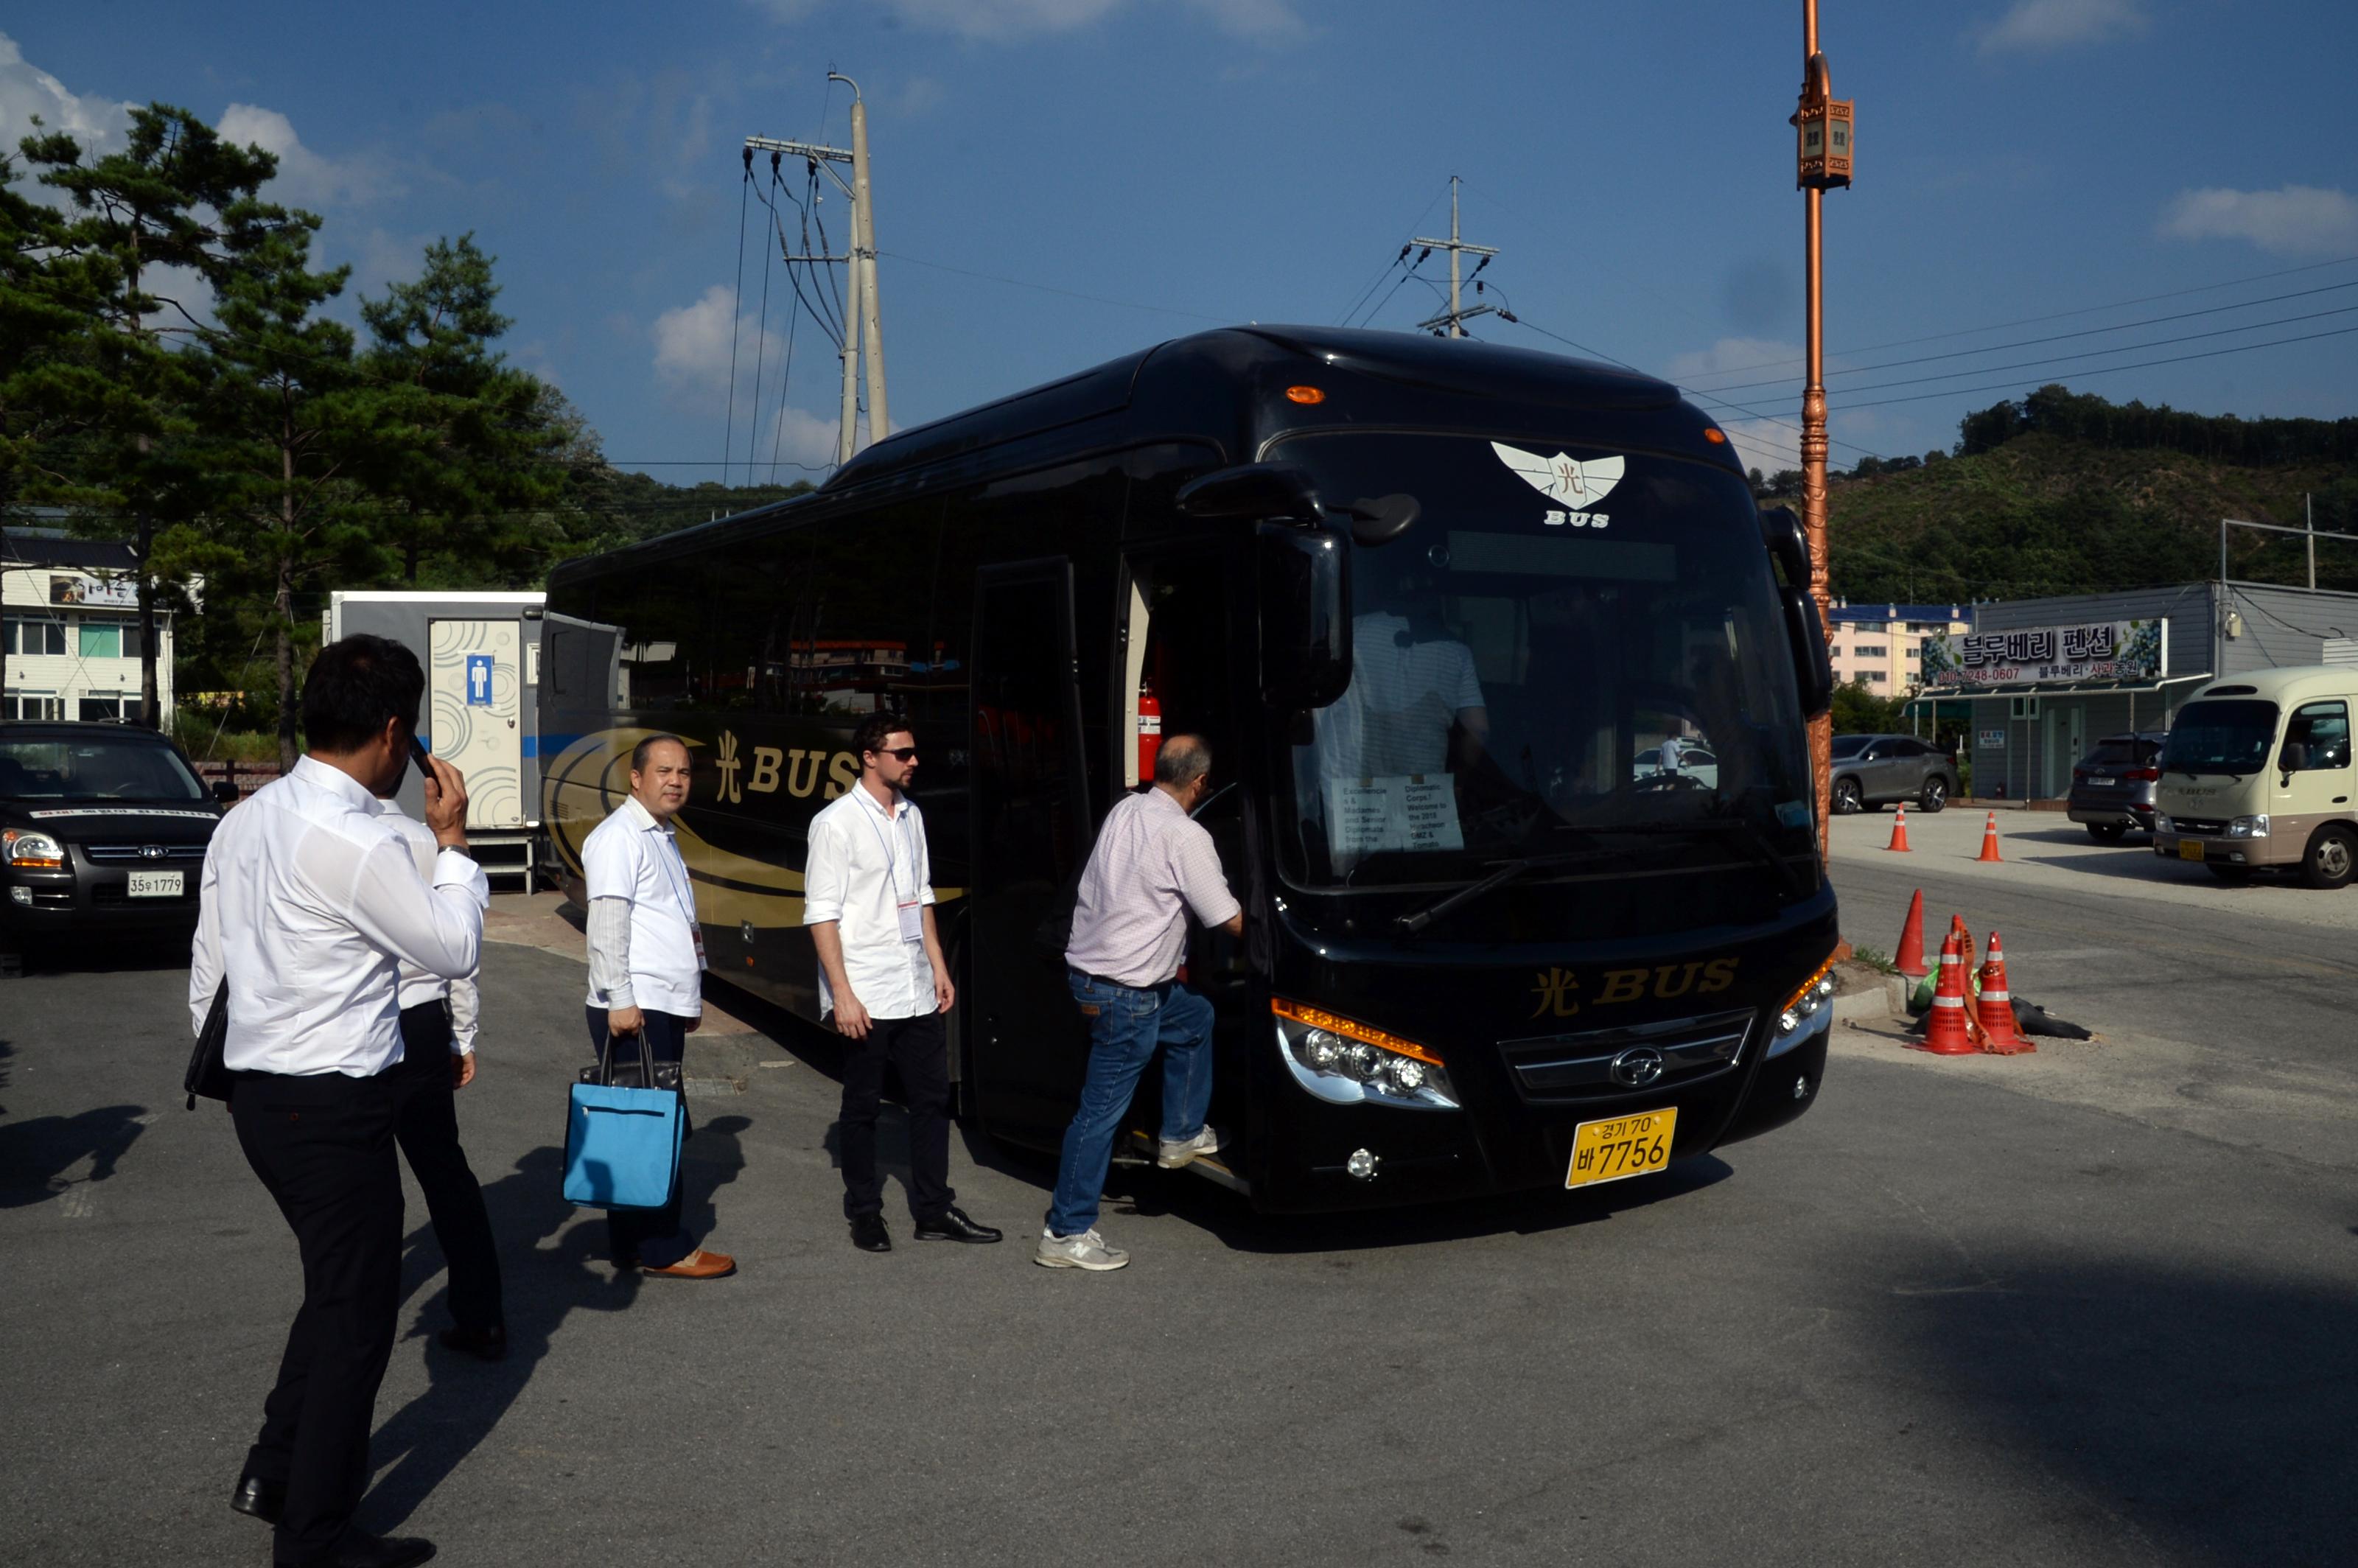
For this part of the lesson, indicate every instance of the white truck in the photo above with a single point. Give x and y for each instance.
(2256, 775)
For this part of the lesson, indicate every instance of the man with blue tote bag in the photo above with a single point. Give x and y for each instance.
(646, 995)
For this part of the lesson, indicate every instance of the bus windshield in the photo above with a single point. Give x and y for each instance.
(1573, 654)
(2220, 737)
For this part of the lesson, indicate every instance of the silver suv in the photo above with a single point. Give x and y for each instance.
(1873, 771)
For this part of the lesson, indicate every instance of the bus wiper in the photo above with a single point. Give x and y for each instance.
(1410, 924)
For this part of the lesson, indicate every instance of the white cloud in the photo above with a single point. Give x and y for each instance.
(2038, 24)
(2295, 220)
(1261, 21)
(25, 91)
(305, 178)
(693, 346)
(1765, 357)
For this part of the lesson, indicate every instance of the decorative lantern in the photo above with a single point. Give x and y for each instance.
(1823, 146)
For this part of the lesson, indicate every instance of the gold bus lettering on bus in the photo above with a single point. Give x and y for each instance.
(1559, 989)
(799, 771)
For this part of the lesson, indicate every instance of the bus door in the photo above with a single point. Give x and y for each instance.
(1031, 831)
(1182, 636)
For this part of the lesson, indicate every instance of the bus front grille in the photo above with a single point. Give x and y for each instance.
(1561, 1069)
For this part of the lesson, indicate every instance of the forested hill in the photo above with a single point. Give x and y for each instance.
(2068, 493)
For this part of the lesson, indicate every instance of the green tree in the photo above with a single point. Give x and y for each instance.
(1859, 711)
(287, 413)
(176, 206)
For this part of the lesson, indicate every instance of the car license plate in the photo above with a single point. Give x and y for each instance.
(2102, 784)
(1624, 1146)
(2189, 849)
(157, 884)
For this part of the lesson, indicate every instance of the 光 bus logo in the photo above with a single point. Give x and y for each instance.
(1576, 485)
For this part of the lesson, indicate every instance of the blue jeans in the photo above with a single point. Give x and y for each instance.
(1126, 1024)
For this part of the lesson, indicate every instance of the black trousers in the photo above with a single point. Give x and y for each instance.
(323, 1146)
(427, 1131)
(654, 1236)
(919, 1049)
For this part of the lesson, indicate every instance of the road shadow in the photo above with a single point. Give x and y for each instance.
(2140, 864)
(35, 1153)
(2206, 1412)
(819, 1049)
(84, 954)
(418, 1447)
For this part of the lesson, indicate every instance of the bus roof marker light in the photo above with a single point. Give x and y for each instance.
(1305, 394)
(1714, 435)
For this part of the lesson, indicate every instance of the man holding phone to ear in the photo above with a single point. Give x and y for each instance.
(310, 904)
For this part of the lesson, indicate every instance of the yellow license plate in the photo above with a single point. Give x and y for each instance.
(2189, 849)
(1624, 1146)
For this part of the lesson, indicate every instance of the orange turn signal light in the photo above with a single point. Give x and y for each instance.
(1319, 1018)
(1305, 394)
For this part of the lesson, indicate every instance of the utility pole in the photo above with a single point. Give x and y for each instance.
(1456, 317)
(2309, 526)
(1823, 150)
(863, 249)
(863, 324)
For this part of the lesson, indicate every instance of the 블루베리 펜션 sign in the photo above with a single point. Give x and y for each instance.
(2090, 651)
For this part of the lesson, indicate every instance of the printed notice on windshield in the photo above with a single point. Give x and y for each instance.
(1412, 811)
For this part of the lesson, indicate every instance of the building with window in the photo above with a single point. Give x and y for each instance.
(71, 613)
(1882, 645)
(2047, 678)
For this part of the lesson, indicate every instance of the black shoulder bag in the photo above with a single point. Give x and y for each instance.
(208, 1075)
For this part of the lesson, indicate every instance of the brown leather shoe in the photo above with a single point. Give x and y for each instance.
(698, 1265)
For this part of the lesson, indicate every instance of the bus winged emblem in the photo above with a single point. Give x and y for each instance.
(1576, 486)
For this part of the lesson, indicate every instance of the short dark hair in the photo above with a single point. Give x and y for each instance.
(877, 728)
(639, 752)
(353, 686)
(1183, 760)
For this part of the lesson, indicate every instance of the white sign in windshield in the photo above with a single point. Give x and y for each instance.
(1413, 811)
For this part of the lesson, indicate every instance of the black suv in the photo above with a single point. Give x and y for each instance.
(102, 829)
(2111, 786)
(1873, 771)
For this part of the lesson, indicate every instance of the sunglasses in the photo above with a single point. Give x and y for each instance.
(906, 754)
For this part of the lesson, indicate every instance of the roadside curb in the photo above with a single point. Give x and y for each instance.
(1888, 999)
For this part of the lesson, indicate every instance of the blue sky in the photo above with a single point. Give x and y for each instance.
(1189, 163)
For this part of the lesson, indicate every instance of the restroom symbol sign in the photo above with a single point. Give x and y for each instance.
(479, 680)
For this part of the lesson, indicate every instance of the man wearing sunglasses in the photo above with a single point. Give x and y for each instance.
(869, 902)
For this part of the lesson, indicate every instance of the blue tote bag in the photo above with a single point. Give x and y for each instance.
(623, 1141)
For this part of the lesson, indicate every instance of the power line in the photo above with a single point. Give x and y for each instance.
(2060, 337)
(1049, 288)
(736, 309)
(2053, 316)
(2108, 370)
(761, 347)
(1373, 282)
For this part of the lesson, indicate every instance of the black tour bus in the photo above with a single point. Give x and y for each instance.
(1507, 706)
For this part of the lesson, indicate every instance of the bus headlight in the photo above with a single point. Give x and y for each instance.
(1349, 1063)
(2162, 823)
(2248, 827)
(1807, 1000)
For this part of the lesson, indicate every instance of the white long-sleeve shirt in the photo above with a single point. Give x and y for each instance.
(865, 864)
(311, 902)
(419, 986)
(646, 948)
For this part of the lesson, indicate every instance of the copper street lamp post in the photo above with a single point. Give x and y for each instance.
(1822, 144)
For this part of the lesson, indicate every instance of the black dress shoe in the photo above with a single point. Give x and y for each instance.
(488, 1344)
(265, 1500)
(869, 1235)
(359, 1551)
(953, 1225)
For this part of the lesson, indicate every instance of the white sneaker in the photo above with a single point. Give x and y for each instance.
(1174, 1156)
(1086, 1250)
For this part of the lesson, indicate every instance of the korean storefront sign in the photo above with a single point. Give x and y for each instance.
(2085, 650)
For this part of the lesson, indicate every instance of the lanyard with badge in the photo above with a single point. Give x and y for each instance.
(676, 874)
(911, 913)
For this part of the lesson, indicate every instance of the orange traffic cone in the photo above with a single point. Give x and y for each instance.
(1909, 959)
(1994, 1011)
(1945, 1027)
(1964, 939)
(1900, 833)
(1989, 840)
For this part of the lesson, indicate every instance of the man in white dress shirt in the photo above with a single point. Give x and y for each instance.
(439, 1023)
(310, 904)
(867, 898)
(646, 975)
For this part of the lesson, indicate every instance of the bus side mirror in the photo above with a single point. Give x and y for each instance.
(1305, 620)
(1262, 492)
(1813, 671)
(1780, 533)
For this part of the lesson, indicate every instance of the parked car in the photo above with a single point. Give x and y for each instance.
(1874, 771)
(2111, 786)
(102, 827)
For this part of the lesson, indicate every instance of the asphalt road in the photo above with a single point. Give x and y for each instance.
(2231, 1011)
(1940, 1320)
